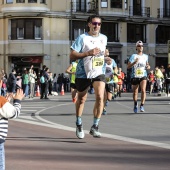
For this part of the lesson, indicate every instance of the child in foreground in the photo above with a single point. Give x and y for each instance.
(8, 111)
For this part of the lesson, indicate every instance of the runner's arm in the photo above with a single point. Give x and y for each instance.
(68, 70)
(75, 55)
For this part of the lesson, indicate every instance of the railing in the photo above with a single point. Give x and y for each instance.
(163, 13)
(139, 11)
(90, 7)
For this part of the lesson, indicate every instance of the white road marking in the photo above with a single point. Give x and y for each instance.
(28, 110)
(33, 107)
(47, 123)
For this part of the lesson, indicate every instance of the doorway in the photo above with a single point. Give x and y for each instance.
(161, 61)
(20, 63)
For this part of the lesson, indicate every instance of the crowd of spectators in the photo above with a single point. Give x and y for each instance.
(29, 79)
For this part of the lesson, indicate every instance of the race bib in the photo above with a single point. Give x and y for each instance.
(139, 72)
(98, 62)
(107, 79)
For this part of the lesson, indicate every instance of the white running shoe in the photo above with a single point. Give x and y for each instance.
(95, 131)
(79, 131)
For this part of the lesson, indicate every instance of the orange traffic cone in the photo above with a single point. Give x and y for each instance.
(62, 91)
(38, 91)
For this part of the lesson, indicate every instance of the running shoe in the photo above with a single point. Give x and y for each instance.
(115, 95)
(79, 131)
(107, 102)
(142, 109)
(135, 109)
(119, 94)
(94, 131)
(104, 111)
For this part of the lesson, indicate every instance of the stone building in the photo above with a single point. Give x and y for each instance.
(40, 32)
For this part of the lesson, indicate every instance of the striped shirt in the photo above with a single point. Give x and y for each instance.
(7, 111)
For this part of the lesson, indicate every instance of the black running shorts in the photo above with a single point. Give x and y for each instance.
(109, 88)
(73, 85)
(83, 83)
(136, 81)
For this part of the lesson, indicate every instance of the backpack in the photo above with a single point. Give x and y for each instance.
(42, 79)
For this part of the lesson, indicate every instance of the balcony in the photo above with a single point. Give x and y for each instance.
(141, 11)
(90, 7)
(163, 13)
(19, 7)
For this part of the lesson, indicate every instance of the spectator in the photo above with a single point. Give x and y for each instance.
(32, 77)
(25, 83)
(151, 78)
(1, 81)
(167, 79)
(8, 111)
(11, 82)
(159, 79)
(50, 81)
(55, 82)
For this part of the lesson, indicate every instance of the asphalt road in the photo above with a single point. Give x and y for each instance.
(44, 136)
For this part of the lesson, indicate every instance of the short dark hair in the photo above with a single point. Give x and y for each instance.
(13, 70)
(89, 19)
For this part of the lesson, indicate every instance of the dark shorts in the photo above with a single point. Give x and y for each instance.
(167, 81)
(109, 88)
(136, 81)
(151, 83)
(83, 83)
(73, 85)
(115, 85)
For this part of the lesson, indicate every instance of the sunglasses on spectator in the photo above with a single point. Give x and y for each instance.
(96, 23)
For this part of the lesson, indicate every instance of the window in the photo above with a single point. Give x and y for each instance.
(136, 32)
(38, 29)
(104, 4)
(32, 1)
(162, 34)
(42, 1)
(81, 5)
(78, 27)
(20, 1)
(26, 29)
(116, 3)
(137, 7)
(110, 29)
(9, 1)
(126, 4)
(20, 33)
(166, 8)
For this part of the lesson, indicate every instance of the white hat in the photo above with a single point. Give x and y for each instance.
(139, 43)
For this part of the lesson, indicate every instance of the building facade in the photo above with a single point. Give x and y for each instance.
(40, 32)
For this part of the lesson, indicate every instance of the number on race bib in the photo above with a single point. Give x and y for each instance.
(98, 62)
(139, 72)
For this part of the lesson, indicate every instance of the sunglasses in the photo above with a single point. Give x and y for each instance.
(96, 23)
(139, 45)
